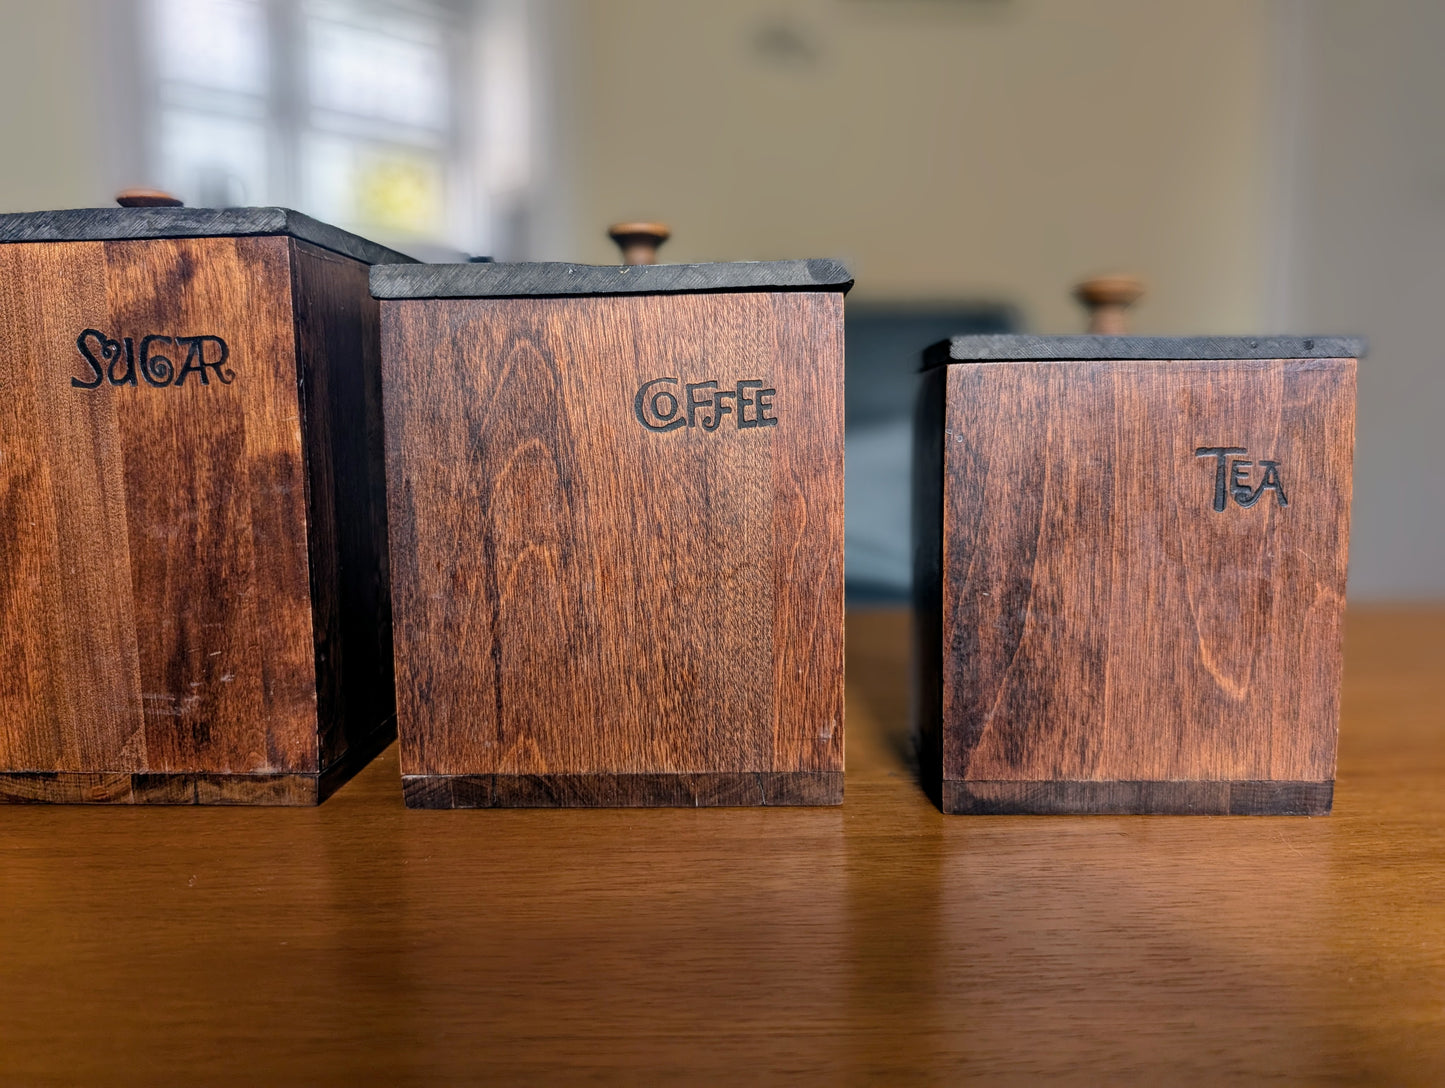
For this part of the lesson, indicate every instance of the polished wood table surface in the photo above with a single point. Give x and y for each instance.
(880, 942)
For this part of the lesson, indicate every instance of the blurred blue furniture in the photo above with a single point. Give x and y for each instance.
(884, 347)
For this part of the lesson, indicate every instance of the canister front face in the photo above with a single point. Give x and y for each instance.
(1143, 575)
(617, 533)
(154, 598)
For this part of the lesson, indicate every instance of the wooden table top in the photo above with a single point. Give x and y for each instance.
(880, 942)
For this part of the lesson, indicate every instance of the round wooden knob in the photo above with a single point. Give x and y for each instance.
(1108, 299)
(639, 241)
(146, 198)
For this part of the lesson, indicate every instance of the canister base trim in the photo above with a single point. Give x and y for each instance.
(723, 790)
(188, 788)
(1143, 798)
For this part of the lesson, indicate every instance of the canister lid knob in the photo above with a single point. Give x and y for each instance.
(1108, 299)
(639, 241)
(146, 198)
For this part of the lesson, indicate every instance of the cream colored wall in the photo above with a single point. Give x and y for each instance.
(51, 58)
(1367, 248)
(947, 148)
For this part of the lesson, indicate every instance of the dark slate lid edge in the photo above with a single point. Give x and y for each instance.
(137, 224)
(302, 226)
(571, 280)
(1026, 348)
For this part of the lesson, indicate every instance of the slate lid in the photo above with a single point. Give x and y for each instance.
(1024, 348)
(126, 224)
(561, 279)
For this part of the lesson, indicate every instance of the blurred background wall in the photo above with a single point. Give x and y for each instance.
(1265, 165)
(947, 148)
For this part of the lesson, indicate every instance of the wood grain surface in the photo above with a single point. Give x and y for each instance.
(881, 942)
(338, 351)
(579, 595)
(1118, 633)
(215, 497)
(156, 575)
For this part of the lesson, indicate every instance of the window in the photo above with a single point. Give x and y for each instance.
(358, 112)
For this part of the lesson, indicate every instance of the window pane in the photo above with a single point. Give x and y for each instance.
(392, 68)
(375, 187)
(211, 161)
(212, 43)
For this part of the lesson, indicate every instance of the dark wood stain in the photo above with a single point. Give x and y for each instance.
(726, 790)
(69, 669)
(576, 595)
(1109, 641)
(169, 788)
(217, 514)
(338, 347)
(163, 547)
(927, 658)
(1155, 798)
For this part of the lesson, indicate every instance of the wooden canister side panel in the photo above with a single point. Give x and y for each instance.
(1319, 401)
(215, 497)
(926, 710)
(1191, 588)
(807, 520)
(70, 694)
(1103, 620)
(995, 472)
(338, 337)
(484, 488)
(585, 578)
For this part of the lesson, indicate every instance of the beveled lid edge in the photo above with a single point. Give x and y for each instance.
(1022, 347)
(137, 224)
(564, 279)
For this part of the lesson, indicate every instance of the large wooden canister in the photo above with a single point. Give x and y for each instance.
(194, 604)
(616, 532)
(1130, 570)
